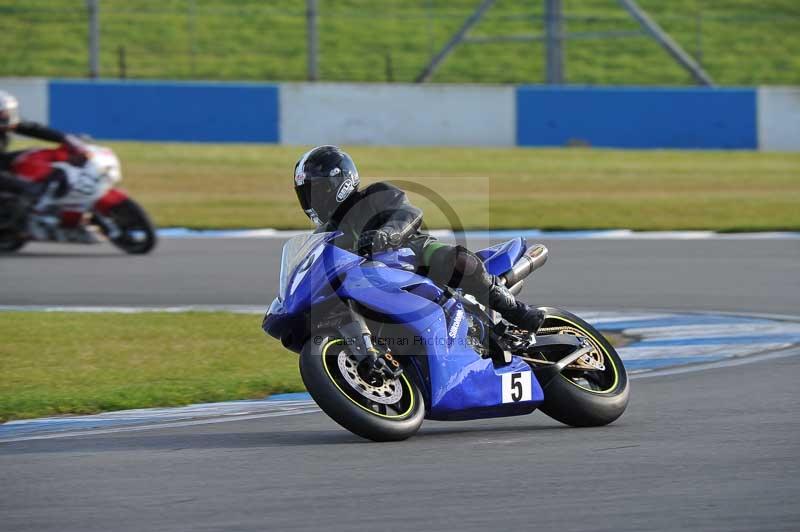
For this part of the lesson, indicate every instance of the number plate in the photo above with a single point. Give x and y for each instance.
(516, 387)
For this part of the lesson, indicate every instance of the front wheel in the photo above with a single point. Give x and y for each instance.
(389, 410)
(136, 234)
(585, 398)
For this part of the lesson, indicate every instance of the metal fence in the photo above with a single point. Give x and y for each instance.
(737, 42)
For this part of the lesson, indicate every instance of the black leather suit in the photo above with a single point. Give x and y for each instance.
(383, 206)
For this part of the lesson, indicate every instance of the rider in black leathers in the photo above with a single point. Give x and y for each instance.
(10, 123)
(380, 217)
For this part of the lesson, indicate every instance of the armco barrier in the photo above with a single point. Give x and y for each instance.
(403, 114)
(200, 112)
(637, 117)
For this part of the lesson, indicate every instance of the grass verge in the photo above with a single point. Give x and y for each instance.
(59, 363)
(235, 186)
(76, 363)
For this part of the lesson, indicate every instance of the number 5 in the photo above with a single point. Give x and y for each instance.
(516, 387)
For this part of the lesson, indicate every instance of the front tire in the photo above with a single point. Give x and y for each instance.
(585, 399)
(326, 368)
(137, 233)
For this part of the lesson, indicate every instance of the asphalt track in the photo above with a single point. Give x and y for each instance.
(730, 275)
(710, 450)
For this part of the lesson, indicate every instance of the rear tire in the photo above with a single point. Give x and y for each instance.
(11, 243)
(320, 371)
(13, 212)
(138, 233)
(573, 400)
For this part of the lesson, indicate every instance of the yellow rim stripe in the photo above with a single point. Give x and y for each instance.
(403, 376)
(600, 344)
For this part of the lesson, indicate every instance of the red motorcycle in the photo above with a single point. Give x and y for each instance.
(92, 207)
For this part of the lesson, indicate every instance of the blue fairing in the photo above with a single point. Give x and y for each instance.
(499, 259)
(457, 383)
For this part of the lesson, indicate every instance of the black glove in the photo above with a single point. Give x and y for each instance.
(78, 150)
(58, 182)
(373, 241)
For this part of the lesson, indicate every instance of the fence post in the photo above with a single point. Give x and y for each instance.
(94, 37)
(311, 31)
(192, 29)
(554, 38)
(122, 63)
(698, 40)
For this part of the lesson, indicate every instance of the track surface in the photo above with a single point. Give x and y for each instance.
(759, 275)
(711, 450)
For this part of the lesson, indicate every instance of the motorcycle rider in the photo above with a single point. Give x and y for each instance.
(75, 152)
(380, 217)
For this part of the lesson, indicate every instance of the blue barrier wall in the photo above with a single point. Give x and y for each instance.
(637, 117)
(621, 117)
(201, 112)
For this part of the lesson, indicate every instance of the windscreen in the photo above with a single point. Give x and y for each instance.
(105, 163)
(295, 250)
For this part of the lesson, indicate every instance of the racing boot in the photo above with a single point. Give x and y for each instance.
(514, 311)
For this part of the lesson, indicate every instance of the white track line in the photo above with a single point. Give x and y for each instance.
(311, 408)
(236, 309)
(609, 234)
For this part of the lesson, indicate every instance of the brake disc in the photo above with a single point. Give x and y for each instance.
(389, 392)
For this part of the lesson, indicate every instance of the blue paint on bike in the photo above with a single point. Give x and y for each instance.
(456, 382)
(500, 258)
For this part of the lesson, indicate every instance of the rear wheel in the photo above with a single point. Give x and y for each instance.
(137, 235)
(9, 243)
(13, 211)
(580, 397)
(385, 410)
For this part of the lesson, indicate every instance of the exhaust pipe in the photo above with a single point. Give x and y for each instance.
(533, 259)
(517, 288)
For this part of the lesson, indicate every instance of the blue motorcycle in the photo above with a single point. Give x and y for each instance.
(382, 348)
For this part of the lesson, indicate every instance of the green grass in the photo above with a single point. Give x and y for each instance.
(231, 186)
(739, 42)
(58, 363)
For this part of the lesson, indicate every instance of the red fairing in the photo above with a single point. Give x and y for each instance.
(71, 218)
(112, 198)
(35, 165)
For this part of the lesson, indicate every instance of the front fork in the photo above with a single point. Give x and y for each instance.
(371, 361)
(108, 225)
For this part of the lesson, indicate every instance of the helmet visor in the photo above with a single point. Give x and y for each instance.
(9, 110)
(318, 195)
(9, 118)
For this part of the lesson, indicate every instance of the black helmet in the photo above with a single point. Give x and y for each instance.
(323, 178)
